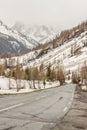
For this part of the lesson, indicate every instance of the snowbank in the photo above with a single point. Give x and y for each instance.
(9, 86)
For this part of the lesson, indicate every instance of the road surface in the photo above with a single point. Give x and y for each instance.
(40, 110)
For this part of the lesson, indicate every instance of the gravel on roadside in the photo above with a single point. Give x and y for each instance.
(76, 118)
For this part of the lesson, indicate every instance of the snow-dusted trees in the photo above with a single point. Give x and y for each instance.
(48, 74)
(3, 67)
(80, 75)
(75, 77)
(18, 74)
(2, 70)
(32, 74)
(35, 75)
(84, 72)
(28, 73)
(60, 75)
(55, 73)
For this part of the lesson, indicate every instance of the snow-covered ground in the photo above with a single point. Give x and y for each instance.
(9, 86)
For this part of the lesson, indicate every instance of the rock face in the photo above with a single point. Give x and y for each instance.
(9, 44)
(12, 41)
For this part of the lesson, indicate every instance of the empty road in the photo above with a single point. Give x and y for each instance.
(40, 110)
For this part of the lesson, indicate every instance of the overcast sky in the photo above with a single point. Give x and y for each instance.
(64, 13)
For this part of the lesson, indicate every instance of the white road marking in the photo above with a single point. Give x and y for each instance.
(11, 107)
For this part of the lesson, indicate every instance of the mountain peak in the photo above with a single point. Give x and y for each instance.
(13, 41)
(41, 33)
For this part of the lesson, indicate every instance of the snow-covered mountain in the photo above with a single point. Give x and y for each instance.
(12, 41)
(40, 33)
(69, 49)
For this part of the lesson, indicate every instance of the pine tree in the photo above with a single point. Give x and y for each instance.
(18, 75)
(60, 74)
(48, 74)
(53, 75)
(28, 73)
(34, 75)
(74, 77)
(84, 72)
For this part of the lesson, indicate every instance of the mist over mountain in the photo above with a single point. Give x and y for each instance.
(41, 33)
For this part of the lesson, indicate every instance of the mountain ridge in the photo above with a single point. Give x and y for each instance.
(19, 44)
(68, 49)
(41, 33)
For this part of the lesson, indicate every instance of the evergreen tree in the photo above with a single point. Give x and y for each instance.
(48, 74)
(53, 75)
(60, 74)
(84, 72)
(74, 77)
(27, 74)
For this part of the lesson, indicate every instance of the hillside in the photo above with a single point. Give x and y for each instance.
(56, 60)
(68, 49)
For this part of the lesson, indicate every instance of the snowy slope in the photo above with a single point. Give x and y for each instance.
(57, 55)
(64, 56)
(17, 41)
(71, 54)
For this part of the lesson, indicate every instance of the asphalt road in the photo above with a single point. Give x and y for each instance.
(40, 110)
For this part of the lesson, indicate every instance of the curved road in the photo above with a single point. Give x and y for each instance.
(40, 110)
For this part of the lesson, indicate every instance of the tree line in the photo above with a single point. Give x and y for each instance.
(33, 73)
(80, 75)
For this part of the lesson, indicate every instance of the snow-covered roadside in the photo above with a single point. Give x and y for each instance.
(9, 86)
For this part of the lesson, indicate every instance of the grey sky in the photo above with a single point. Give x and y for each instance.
(64, 13)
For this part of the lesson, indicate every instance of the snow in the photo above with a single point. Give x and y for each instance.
(68, 81)
(9, 86)
(40, 33)
(14, 91)
(84, 49)
(23, 59)
(84, 87)
(60, 54)
(26, 41)
(63, 54)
